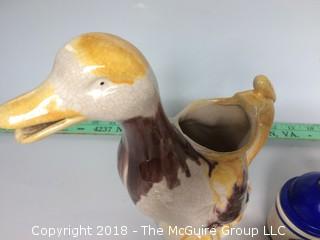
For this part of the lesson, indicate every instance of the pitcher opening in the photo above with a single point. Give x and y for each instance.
(222, 128)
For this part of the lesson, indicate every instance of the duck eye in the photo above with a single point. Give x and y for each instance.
(101, 83)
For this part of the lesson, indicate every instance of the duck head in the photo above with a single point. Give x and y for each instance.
(95, 76)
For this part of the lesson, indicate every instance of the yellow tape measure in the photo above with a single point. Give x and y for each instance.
(279, 130)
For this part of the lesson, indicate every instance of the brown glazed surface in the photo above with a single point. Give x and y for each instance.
(153, 149)
(235, 203)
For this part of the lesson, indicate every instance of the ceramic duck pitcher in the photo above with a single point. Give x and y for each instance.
(192, 171)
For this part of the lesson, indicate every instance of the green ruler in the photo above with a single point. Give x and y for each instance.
(279, 130)
(295, 131)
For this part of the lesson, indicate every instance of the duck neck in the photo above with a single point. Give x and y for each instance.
(154, 150)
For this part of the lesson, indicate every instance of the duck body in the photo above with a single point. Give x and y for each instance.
(191, 171)
(179, 174)
(166, 178)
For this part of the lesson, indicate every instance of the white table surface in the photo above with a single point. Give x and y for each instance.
(198, 49)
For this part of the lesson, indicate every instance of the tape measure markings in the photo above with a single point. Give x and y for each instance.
(279, 130)
(298, 131)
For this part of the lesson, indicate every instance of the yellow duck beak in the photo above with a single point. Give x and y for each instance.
(37, 114)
